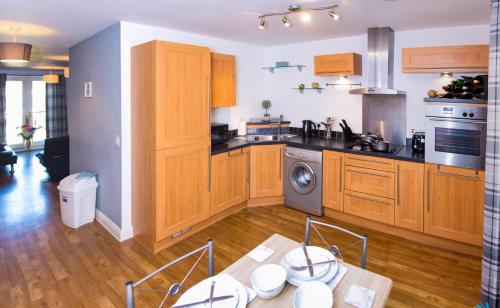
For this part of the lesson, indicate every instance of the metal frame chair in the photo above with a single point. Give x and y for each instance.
(130, 286)
(332, 248)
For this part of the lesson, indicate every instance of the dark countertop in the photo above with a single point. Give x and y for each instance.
(316, 143)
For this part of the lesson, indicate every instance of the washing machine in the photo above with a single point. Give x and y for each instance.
(303, 180)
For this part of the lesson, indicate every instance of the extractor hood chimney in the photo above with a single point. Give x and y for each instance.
(380, 63)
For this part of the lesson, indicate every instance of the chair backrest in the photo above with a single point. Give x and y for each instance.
(57, 146)
(175, 287)
(363, 238)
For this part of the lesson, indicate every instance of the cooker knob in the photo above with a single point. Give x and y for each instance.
(471, 115)
(464, 114)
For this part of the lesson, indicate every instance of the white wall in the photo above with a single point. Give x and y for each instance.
(249, 87)
(337, 102)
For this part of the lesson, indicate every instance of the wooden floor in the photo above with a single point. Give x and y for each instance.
(45, 264)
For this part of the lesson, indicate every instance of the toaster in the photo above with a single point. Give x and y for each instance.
(418, 142)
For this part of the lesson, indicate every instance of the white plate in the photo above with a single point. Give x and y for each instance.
(224, 285)
(313, 294)
(327, 277)
(296, 257)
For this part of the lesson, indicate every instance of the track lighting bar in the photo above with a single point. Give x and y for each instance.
(297, 8)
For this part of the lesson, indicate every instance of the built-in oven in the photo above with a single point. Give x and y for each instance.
(455, 134)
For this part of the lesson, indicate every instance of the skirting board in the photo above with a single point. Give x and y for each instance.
(120, 234)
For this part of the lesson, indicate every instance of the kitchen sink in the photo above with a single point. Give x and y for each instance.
(257, 138)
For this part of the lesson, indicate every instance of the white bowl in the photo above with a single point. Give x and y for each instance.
(268, 280)
(313, 294)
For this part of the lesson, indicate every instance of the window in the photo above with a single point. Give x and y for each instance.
(25, 96)
(38, 108)
(14, 110)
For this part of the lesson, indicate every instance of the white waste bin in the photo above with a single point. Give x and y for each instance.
(77, 193)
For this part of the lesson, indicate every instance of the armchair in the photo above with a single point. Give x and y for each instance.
(7, 157)
(55, 157)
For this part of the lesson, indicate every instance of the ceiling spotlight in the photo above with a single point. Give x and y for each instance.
(286, 22)
(262, 24)
(306, 17)
(334, 15)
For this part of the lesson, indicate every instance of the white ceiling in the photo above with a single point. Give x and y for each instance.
(52, 26)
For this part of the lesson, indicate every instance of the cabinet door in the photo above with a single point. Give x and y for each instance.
(454, 203)
(223, 84)
(182, 89)
(333, 174)
(453, 59)
(266, 171)
(409, 210)
(182, 188)
(337, 64)
(368, 181)
(230, 180)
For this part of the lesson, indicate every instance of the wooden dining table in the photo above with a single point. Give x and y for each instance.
(243, 268)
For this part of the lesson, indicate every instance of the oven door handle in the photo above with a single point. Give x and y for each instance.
(459, 121)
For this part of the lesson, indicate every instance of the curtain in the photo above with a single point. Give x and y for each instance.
(490, 282)
(55, 107)
(3, 107)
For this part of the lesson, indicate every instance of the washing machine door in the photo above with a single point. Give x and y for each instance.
(302, 177)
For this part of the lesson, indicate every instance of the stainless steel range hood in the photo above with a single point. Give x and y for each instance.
(380, 63)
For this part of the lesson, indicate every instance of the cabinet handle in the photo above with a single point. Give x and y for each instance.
(340, 174)
(398, 188)
(209, 107)
(247, 161)
(368, 199)
(476, 176)
(235, 154)
(370, 161)
(281, 165)
(209, 169)
(369, 173)
(428, 190)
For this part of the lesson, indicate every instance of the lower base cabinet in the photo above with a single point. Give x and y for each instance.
(230, 179)
(266, 170)
(409, 199)
(454, 203)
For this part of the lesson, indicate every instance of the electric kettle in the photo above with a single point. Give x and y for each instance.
(308, 128)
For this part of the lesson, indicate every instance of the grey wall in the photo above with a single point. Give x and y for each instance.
(94, 123)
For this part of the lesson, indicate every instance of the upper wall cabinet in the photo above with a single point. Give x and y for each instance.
(223, 85)
(453, 59)
(343, 64)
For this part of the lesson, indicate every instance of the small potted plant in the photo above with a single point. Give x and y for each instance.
(27, 131)
(266, 104)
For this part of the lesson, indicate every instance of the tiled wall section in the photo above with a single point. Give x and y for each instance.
(288, 130)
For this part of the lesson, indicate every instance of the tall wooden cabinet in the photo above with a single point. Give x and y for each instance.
(409, 209)
(333, 180)
(170, 140)
(223, 85)
(266, 176)
(230, 176)
(454, 203)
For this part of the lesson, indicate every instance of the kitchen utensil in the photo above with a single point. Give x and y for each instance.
(313, 294)
(206, 301)
(226, 286)
(308, 260)
(268, 280)
(301, 268)
(308, 128)
(418, 142)
(322, 272)
(380, 146)
(348, 134)
(212, 287)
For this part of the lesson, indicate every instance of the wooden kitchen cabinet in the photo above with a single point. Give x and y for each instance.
(333, 179)
(170, 140)
(229, 180)
(182, 188)
(223, 80)
(409, 209)
(454, 203)
(181, 78)
(369, 207)
(266, 170)
(453, 59)
(369, 181)
(344, 64)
